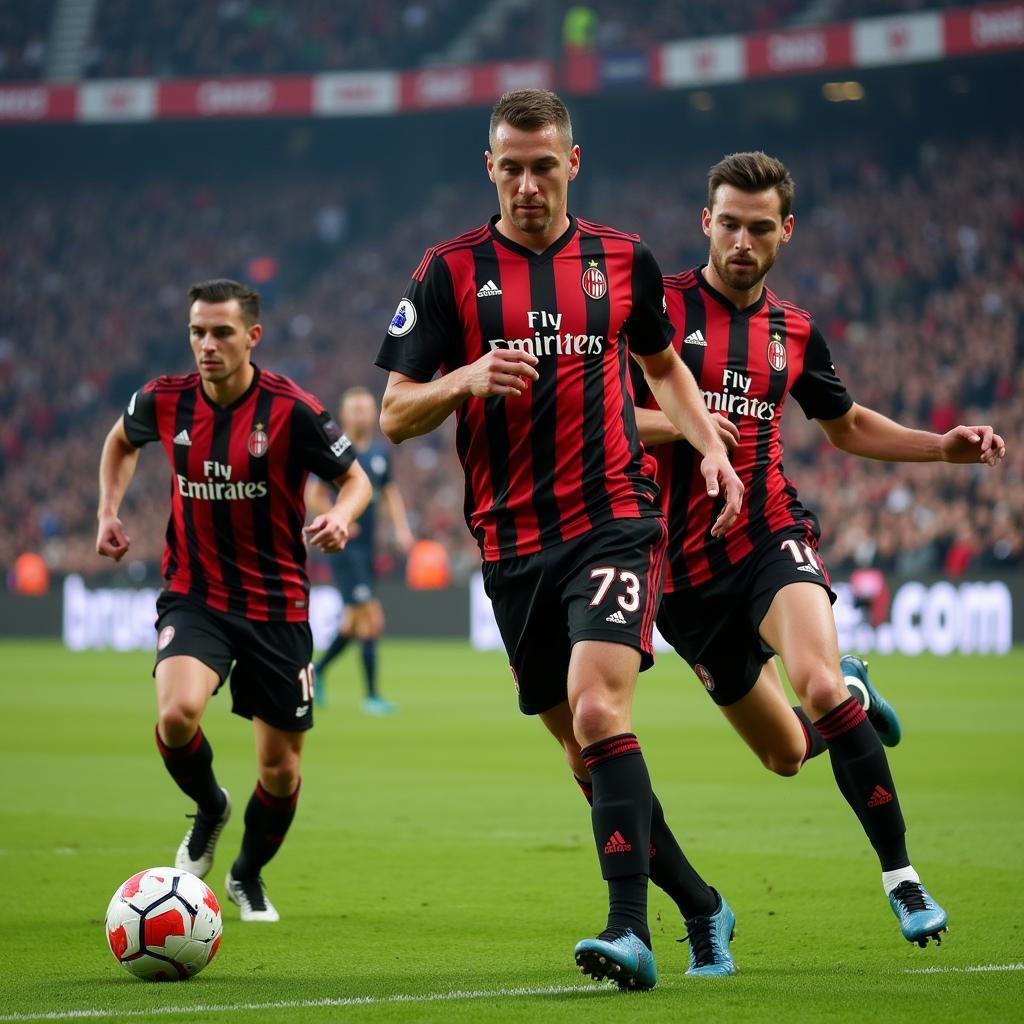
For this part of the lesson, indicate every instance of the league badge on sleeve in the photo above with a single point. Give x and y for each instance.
(404, 319)
(777, 353)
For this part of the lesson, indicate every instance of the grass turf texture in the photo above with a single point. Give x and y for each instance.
(446, 848)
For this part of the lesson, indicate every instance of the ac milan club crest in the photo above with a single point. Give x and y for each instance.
(777, 353)
(594, 282)
(705, 677)
(258, 441)
(166, 636)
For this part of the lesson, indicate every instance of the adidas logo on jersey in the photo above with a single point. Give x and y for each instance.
(617, 617)
(695, 338)
(488, 289)
(183, 438)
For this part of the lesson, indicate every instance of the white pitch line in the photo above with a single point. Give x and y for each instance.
(301, 1004)
(964, 970)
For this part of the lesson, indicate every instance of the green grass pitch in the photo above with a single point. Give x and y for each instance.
(441, 866)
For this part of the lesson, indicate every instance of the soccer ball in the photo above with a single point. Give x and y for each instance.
(164, 924)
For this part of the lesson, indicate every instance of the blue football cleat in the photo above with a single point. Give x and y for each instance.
(626, 960)
(920, 917)
(709, 939)
(378, 706)
(879, 711)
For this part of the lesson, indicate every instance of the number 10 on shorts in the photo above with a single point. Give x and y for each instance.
(607, 574)
(307, 683)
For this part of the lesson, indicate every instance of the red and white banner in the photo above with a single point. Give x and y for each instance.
(912, 38)
(121, 99)
(985, 30)
(869, 42)
(703, 61)
(799, 51)
(351, 93)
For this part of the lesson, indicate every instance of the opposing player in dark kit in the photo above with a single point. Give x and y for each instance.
(529, 318)
(241, 443)
(731, 603)
(353, 568)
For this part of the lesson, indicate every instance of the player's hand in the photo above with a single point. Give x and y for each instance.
(966, 445)
(329, 532)
(718, 473)
(727, 431)
(503, 371)
(111, 540)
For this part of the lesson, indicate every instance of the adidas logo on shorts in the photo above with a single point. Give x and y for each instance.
(617, 617)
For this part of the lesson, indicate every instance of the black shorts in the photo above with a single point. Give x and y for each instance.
(715, 627)
(603, 585)
(272, 677)
(353, 574)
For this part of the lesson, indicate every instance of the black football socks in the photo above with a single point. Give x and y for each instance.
(267, 819)
(862, 772)
(337, 645)
(815, 741)
(369, 651)
(670, 870)
(621, 816)
(191, 767)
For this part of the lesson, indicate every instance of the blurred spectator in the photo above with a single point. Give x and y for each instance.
(24, 28)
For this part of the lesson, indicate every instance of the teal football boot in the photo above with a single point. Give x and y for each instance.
(920, 917)
(626, 960)
(709, 939)
(879, 711)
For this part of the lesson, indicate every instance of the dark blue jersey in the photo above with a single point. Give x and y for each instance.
(376, 463)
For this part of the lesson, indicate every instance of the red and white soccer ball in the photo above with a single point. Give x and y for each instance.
(164, 924)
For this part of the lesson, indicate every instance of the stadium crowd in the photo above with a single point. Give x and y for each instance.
(916, 277)
(218, 37)
(24, 32)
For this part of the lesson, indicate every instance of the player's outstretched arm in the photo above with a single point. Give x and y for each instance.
(117, 467)
(680, 399)
(411, 407)
(862, 431)
(330, 531)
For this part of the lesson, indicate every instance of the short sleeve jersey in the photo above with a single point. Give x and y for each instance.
(565, 456)
(745, 362)
(234, 537)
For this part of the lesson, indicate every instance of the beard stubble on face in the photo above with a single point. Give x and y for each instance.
(742, 280)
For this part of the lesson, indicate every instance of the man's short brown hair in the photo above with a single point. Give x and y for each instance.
(223, 289)
(530, 109)
(753, 172)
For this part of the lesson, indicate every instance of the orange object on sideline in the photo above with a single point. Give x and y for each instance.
(428, 567)
(31, 575)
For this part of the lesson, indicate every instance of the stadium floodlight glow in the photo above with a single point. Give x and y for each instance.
(843, 92)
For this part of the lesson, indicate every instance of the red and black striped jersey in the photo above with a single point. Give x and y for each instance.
(565, 456)
(745, 362)
(234, 536)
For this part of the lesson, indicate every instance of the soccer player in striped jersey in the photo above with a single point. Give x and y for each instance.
(528, 319)
(731, 603)
(241, 443)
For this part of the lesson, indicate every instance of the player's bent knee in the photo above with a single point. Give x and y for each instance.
(783, 762)
(821, 690)
(595, 717)
(280, 777)
(178, 723)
